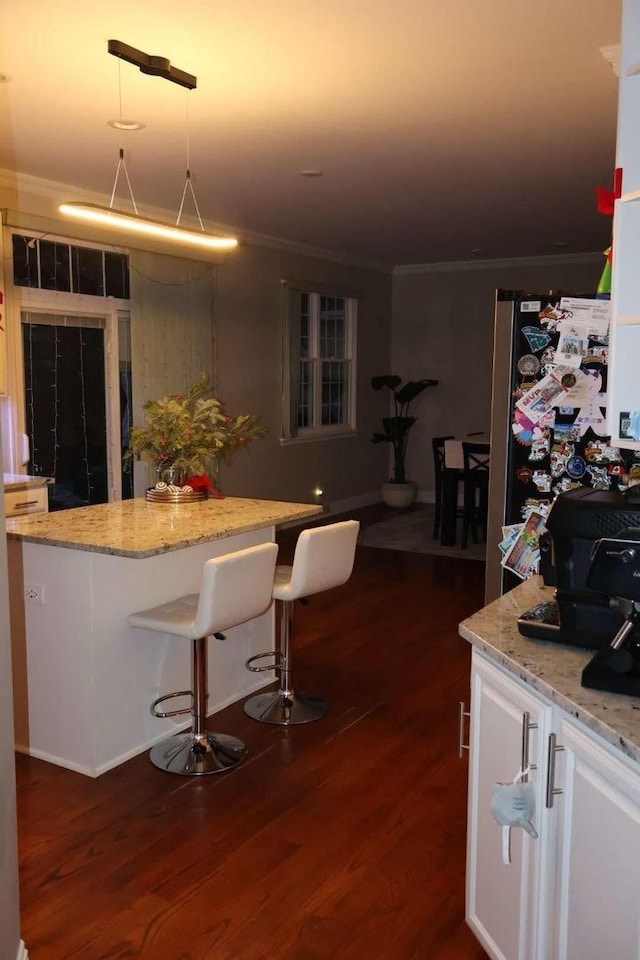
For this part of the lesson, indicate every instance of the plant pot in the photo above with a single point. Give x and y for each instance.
(399, 494)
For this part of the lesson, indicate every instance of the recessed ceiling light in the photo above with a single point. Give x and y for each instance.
(311, 173)
(126, 124)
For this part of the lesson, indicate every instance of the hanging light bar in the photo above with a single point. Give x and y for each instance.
(108, 216)
(145, 226)
(151, 64)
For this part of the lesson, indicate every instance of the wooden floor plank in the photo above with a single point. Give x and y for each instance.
(343, 838)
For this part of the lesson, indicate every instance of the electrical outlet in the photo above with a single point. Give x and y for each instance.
(34, 593)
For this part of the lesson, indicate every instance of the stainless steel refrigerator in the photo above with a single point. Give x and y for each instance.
(574, 448)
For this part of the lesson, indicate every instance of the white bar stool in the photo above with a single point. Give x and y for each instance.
(235, 588)
(323, 559)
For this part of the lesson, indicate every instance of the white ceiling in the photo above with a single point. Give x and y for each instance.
(441, 126)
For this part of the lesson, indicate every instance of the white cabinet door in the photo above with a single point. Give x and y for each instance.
(505, 907)
(598, 891)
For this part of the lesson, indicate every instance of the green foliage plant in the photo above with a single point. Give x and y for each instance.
(396, 429)
(190, 432)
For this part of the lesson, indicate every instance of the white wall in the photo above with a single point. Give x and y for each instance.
(442, 327)
(10, 944)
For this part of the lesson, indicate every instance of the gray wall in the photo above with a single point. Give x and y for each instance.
(442, 327)
(249, 378)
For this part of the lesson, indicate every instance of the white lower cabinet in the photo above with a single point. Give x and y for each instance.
(574, 892)
(598, 893)
(505, 904)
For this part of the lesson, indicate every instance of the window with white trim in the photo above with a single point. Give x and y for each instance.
(320, 359)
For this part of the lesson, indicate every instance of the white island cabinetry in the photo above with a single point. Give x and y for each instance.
(84, 679)
(572, 893)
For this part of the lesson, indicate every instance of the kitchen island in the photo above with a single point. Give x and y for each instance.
(570, 891)
(83, 679)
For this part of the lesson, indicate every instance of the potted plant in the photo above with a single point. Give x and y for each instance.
(185, 434)
(399, 492)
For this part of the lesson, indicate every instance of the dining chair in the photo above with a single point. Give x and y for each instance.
(476, 458)
(437, 445)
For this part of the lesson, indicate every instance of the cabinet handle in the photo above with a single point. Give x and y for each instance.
(27, 503)
(525, 766)
(551, 770)
(462, 713)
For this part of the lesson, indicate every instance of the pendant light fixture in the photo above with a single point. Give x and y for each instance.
(133, 222)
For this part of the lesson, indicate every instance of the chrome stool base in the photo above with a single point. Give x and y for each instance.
(285, 709)
(194, 757)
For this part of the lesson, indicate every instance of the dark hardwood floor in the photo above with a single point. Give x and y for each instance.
(343, 838)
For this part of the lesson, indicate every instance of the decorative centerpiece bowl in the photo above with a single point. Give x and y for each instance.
(162, 493)
(184, 433)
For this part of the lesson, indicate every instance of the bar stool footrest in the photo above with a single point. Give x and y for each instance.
(273, 654)
(171, 696)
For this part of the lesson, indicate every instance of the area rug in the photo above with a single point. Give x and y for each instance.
(412, 530)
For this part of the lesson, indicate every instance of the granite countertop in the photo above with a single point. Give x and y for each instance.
(138, 529)
(552, 669)
(22, 481)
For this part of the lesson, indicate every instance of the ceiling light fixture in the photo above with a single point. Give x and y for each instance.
(120, 219)
(151, 64)
(125, 124)
(121, 123)
(111, 217)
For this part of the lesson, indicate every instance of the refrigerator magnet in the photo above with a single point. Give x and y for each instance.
(528, 365)
(558, 463)
(536, 338)
(540, 447)
(596, 354)
(576, 467)
(600, 479)
(564, 484)
(542, 480)
(522, 428)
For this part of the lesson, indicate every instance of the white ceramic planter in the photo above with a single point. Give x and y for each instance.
(399, 494)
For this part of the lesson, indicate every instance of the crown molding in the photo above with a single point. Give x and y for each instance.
(453, 266)
(24, 183)
(612, 55)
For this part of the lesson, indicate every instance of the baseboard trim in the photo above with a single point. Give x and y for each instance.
(94, 772)
(353, 503)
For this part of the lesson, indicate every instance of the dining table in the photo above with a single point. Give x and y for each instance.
(453, 475)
